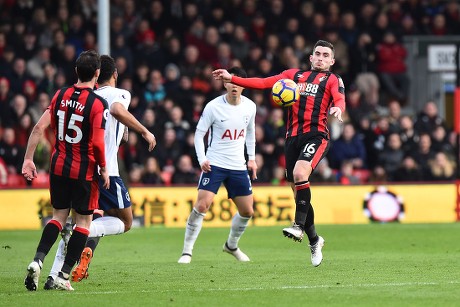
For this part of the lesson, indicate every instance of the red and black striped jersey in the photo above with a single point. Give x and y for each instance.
(319, 90)
(75, 113)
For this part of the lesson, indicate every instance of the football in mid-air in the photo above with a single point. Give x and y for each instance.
(285, 92)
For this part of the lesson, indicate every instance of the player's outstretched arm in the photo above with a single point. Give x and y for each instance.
(222, 74)
(29, 171)
(118, 111)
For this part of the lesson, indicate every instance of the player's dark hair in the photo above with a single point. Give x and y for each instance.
(323, 43)
(107, 68)
(87, 63)
(238, 71)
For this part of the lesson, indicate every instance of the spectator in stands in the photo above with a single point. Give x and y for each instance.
(392, 155)
(121, 49)
(392, 69)
(408, 135)
(378, 175)
(345, 175)
(394, 115)
(452, 16)
(18, 107)
(239, 43)
(362, 59)
(408, 171)
(169, 150)
(152, 172)
(35, 66)
(5, 97)
(11, 152)
(19, 76)
(23, 129)
(6, 61)
(47, 83)
(342, 59)
(275, 130)
(323, 173)
(441, 168)
(29, 90)
(133, 153)
(423, 153)
(185, 173)
(171, 79)
(264, 172)
(349, 147)
(428, 119)
(154, 92)
(178, 123)
(440, 141)
(375, 139)
(357, 107)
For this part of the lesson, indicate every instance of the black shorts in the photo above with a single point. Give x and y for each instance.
(67, 193)
(311, 147)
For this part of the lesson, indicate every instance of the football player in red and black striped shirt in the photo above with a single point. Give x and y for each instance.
(77, 116)
(307, 139)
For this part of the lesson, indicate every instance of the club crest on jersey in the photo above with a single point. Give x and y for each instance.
(323, 78)
(205, 181)
(246, 120)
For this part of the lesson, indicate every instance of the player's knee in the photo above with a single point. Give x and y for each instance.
(300, 176)
(128, 224)
(248, 213)
(202, 206)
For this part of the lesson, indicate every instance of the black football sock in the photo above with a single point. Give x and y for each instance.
(92, 243)
(49, 235)
(75, 247)
(310, 226)
(302, 201)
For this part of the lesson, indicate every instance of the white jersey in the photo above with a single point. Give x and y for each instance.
(113, 128)
(230, 127)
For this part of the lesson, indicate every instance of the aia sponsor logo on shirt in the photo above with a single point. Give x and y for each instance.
(233, 135)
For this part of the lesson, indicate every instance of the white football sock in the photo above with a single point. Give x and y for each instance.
(239, 224)
(192, 230)
(106, 226)
(58, 260)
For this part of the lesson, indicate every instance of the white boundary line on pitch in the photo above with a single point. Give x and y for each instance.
(369, 285)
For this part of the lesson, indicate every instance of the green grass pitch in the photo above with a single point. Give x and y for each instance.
(364, 265)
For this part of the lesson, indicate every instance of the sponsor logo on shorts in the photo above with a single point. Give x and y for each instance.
(205, 181)
(127, 196)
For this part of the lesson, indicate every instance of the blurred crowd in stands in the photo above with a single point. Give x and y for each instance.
(166, 50)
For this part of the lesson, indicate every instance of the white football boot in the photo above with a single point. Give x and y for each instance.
(33, 274)
(316, 253)
(237, 253)
(294, 232)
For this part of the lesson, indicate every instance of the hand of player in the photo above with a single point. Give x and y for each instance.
(29, 171)
(336, 112)
(206, 166)
(222, 74)
(150, 138)
(252, 166)
(105, 178)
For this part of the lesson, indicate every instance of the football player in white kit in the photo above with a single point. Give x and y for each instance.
(115, 202)
(230, 120)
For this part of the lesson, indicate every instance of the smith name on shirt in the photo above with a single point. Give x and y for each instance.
(73, 104)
